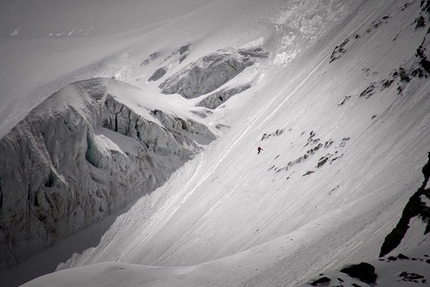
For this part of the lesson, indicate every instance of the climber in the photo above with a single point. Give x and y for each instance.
(259, 149)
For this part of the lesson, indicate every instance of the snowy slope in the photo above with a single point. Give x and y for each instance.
(340, 108)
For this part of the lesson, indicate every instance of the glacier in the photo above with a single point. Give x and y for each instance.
(83, 154)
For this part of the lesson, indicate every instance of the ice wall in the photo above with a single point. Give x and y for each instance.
(79, 156)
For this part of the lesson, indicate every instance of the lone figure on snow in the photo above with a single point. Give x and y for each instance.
(259, 149)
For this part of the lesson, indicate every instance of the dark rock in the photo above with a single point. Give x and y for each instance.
(208, 73)
(363, 272)
(368, 92)
(184, 49)
(426, 171)
(414, 207)
(420, 22)
(324, 281)
(411, 277)
(257, 52)
(338, 51)
(386, 84)
(214, 100)
(322, 161)
(160, 72)
(150, 58)
(403, 75)
(425, 64)
(308, 173)
(417, 72)
(344, 101)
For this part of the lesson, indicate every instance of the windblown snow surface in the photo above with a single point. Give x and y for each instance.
(337, 94)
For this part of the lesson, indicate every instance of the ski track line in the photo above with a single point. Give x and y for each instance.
(153, 227)
(288, 97)
(231, 147)
(157, 225)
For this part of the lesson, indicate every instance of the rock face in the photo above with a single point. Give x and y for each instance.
(81, 155)
(210, 72)
(416, 207)
(365, 272)
(159, 73)
(216, 99)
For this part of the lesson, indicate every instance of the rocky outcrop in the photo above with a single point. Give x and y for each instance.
(79, 156)
(158, 74)
(210, 72)
(216, 99)
(416, 207)
(364, 272)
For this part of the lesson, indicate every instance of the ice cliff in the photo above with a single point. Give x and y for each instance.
(82, 154)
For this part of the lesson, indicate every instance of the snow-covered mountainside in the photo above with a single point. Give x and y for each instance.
(166, 119)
